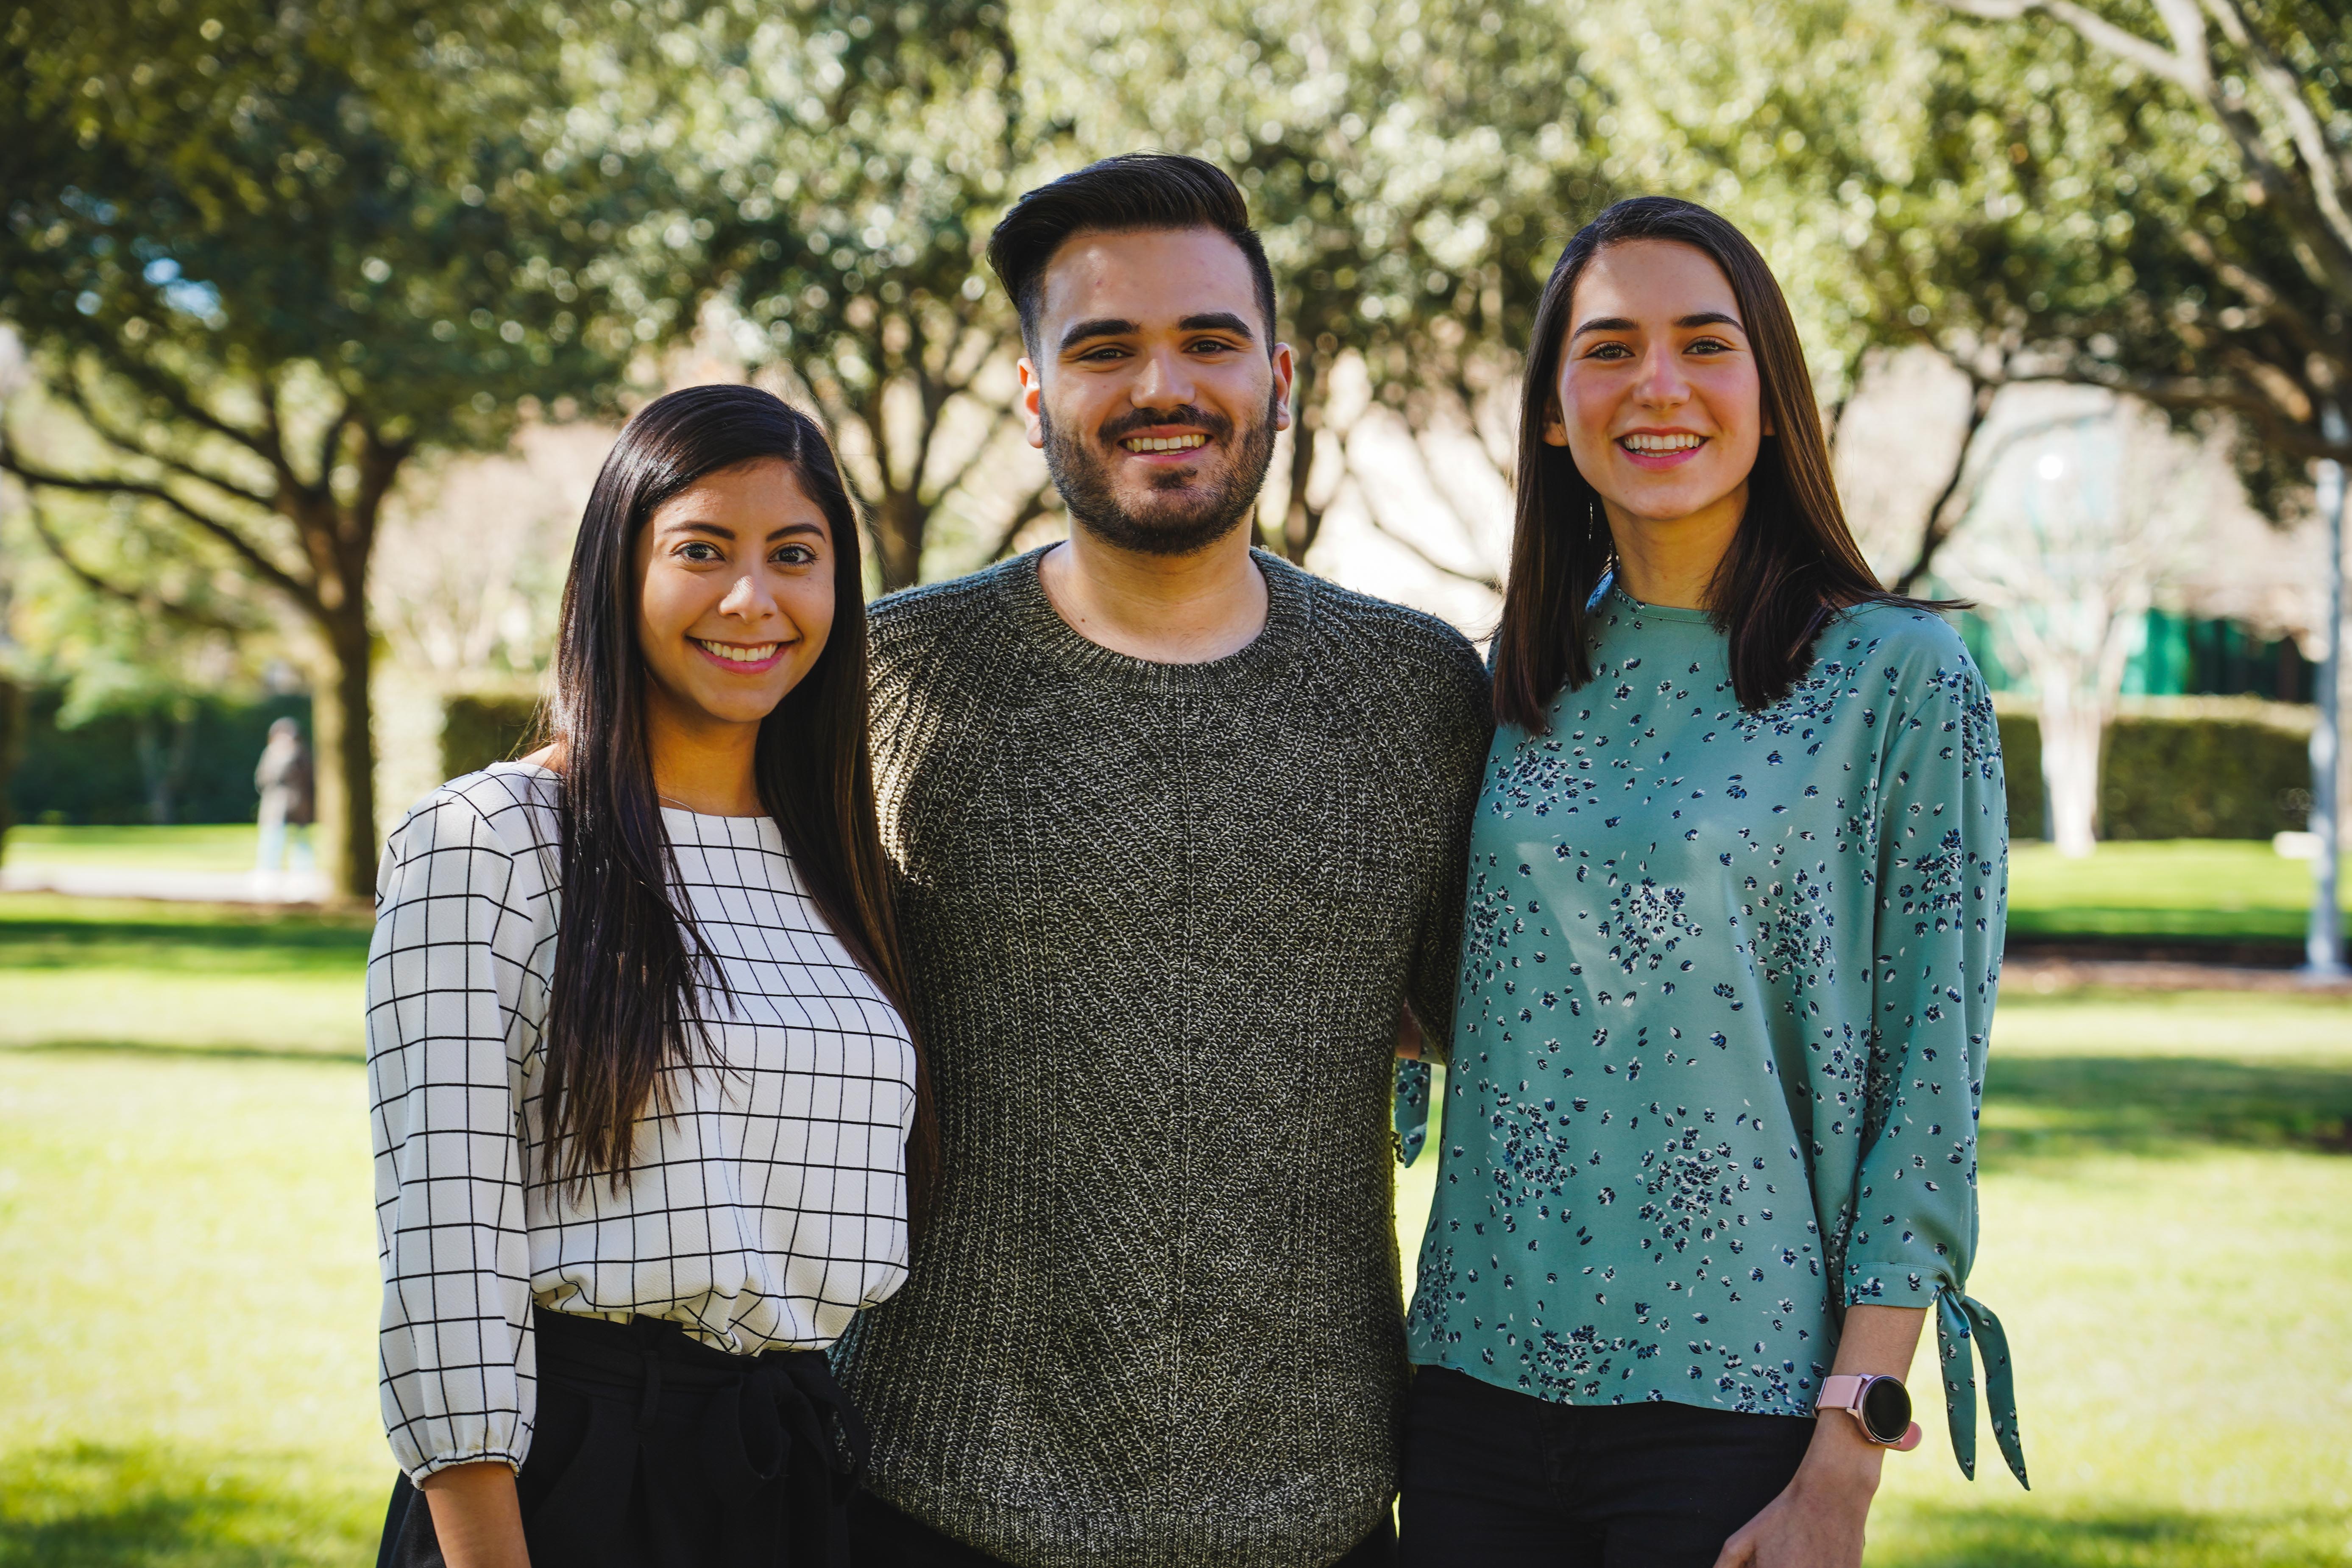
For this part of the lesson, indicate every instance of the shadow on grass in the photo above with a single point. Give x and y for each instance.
(51, 934)
(1991, 1538)
(327, 1055)
(2044, 1106)
(94, 1507)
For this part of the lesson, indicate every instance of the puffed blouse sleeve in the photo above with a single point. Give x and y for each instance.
(1942, 881)
(453, 1011)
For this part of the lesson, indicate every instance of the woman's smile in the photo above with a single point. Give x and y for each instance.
(1660, 449)
(740, 659)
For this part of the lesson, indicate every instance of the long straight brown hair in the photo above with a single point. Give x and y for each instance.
(1793, 562)
(622, 1005)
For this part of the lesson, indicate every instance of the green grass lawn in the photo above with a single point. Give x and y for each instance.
(188, 1298)
(2184, 887)
(2191, 888)
(224, 848)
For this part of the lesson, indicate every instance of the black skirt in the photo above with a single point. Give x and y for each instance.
(653, 1450)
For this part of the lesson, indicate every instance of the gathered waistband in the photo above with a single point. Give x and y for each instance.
(775, 1437)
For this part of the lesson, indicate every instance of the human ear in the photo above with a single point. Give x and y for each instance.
(1285, 371)
(1033, 392)
(1555, 425)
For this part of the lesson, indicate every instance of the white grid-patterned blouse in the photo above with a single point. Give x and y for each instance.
(762, 1213)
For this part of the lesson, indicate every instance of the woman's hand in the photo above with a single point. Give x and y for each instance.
(1817, 1522)
(476, 1516)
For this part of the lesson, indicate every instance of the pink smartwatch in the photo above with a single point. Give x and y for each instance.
(1881, 1406)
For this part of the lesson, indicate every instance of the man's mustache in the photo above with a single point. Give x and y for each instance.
(1216, 425)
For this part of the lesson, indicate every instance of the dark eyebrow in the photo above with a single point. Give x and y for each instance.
(1218, 321)
(718, 531)
(1697, 319)
(1102, 327)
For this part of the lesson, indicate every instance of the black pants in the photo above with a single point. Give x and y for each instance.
(1502, 1479)
(653, 1451)
(882, 1537)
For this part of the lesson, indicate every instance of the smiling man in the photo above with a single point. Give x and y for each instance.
(1180, 833)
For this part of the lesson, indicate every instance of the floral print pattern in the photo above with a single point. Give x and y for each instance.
(1727, 982)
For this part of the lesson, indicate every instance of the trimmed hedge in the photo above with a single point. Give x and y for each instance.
(2176, 776)
(90, 774)
(481, 728)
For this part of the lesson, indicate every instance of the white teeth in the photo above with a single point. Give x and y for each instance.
(1678, 442)
(1165, 443)
(738, 655)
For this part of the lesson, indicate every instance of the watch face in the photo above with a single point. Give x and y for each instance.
(1886, 1409)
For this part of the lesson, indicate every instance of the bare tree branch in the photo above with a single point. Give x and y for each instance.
(1413, 547)
(1004, 420)
(1040, 502)
(2153, 58)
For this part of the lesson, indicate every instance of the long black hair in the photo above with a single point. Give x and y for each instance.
(1793, 562)
(622, 1006)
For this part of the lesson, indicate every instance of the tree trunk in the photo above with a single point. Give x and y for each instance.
(12, 734)
(1302, 523)
(900, 521)
(343, 745)
(2071, 735)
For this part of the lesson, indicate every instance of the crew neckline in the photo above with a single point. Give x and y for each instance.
(1287, 609)
(662, 805)
(1658, 612)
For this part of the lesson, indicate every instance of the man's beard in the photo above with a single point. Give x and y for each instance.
(1191, 516)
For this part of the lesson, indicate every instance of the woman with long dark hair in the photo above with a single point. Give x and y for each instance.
(1738, 878)
(648, 1113)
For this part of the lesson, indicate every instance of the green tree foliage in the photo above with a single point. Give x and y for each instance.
(2225, 282)
(263, 256)
(840, 166)
(2155, 211)
(1414, 168)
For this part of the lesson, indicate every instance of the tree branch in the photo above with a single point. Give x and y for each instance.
(1982, 392)
(268, 570)
(158, 381)
(125, 441)
(1036, 506)
(1411, 546)
(2189, 75)
(110, 590)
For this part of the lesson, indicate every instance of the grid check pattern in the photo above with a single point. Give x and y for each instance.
(761, 1213)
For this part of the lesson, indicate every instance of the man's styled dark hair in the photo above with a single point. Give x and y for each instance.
(1119, 196)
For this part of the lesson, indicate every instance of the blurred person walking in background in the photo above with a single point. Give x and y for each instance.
(646, 1109)
(1737, 893)
(1180, 832)
(283, 780)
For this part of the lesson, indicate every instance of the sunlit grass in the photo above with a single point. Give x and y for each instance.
(187, 1295)
(2189, 888)
(229, 846)
(187, 1286)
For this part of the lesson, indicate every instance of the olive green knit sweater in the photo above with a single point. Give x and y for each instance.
(1161, 918)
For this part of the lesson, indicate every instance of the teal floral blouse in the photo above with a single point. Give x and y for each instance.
(1720, 1039)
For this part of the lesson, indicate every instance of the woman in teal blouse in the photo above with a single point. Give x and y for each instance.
(1736, 888)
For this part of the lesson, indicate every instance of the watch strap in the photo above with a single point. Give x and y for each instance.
(1843, 1390)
